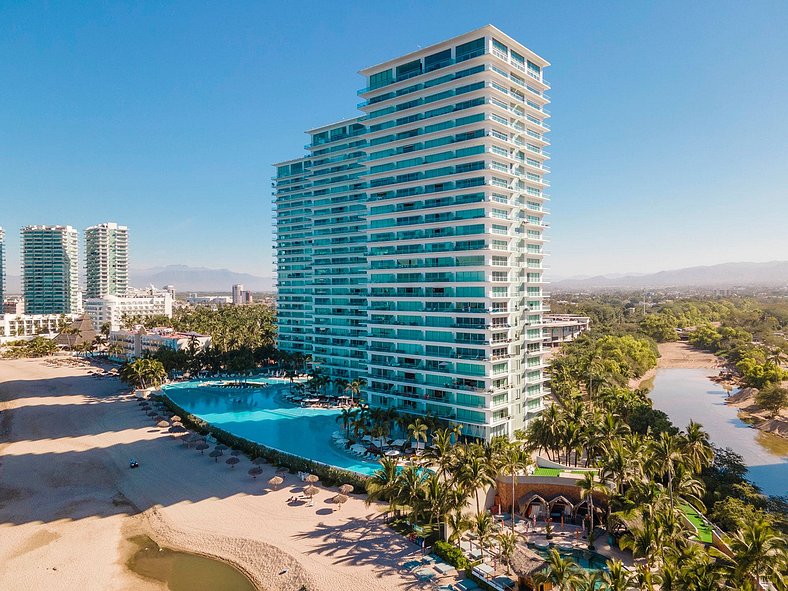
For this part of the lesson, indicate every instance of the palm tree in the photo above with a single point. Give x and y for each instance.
(616, 577)
(347, 416)
(758, 552)
(484, 527)
(697, 448)
(667, 457)
(418, 431)
(507, 544)
(355, 387)
(563, 573)
(437, 500)
(458, 523)
(441, 452)
(410, 489)
(383, 484)
(588, 486)
(515, 460)
(587, 580)
(475, 473)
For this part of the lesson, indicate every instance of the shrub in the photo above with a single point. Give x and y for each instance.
(451, 554)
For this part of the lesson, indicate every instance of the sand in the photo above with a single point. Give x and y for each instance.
(680, 355)
(69, 502)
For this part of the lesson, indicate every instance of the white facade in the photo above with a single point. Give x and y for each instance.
(410, 242)
(135, 343)
(112, 308)
(106, 260)
(28, 326)
(208, 300)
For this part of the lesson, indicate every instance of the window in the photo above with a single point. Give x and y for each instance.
(380, 79)
(469, 50)
(500, 46)
(437, 60)
(409, 70)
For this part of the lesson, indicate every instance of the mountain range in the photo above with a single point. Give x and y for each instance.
(183, 277)
(725, 275)
(186, 278)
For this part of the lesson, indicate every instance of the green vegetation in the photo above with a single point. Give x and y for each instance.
(37, 347)
(772, 398)
(143, 373)
(451, 554)
(230, 327)
(658, 474)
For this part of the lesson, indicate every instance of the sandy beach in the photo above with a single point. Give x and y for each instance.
(69, 502)
(679, 355)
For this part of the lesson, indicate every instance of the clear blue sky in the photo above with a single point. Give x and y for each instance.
(670, 119)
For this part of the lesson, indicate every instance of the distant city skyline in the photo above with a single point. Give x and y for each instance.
(168, 120)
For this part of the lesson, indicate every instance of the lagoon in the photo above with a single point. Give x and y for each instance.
(685, 394)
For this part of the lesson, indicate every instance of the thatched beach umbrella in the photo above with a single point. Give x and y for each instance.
(255, 472)
(176, 418)
(162, 424)
(216, 454)
(202, 447)
(340, 499)
(311, 478)
(232, 460)
(311, 491)
(276, 481)
(177, 429)
(259, 461)
(346, 489)
(221, 447)
(236, 452)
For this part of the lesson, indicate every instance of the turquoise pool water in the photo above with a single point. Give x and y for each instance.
(584, 559)
(260, 416)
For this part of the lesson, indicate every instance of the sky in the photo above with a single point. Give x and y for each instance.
(669, 142)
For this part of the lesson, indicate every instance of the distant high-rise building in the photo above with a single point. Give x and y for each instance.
(106, 260)
(2, 266)
(238, 290)
(410, 239)
(50, 269)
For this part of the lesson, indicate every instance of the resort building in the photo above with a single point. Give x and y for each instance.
(561, 328)
(410, 239)
(106, 260)
(208, 300)
(15, 305)
(131, 344)
(50, 270)
(2, 266)
(28, 326)
(141, 303)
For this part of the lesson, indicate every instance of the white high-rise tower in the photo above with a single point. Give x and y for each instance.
(106, 260)
(410, 239)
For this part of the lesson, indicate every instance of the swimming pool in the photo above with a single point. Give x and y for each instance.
(258, 415)
(583, 558)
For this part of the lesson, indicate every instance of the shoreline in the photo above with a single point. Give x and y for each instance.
(681, 355)
(68, 499)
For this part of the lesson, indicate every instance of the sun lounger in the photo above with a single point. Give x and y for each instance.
(443, 568)
(424, 574)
